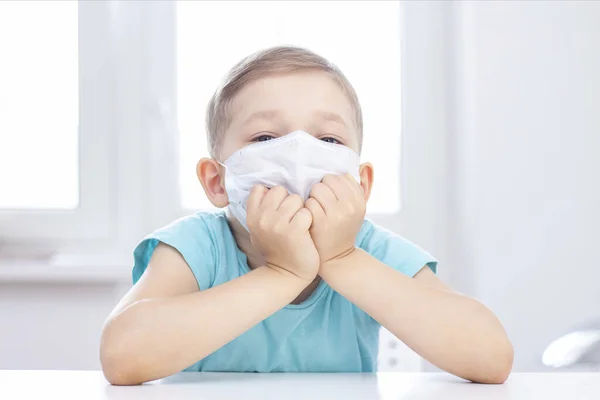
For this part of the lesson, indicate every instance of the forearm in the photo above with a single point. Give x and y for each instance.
(155, 338)
(452, 331)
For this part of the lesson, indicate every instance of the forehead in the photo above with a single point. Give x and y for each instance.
(298, 94)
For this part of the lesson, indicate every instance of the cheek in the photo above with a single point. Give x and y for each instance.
(352, 140)
(356, 141)
(227, 144)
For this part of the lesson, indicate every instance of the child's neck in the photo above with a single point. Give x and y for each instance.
(255, 259)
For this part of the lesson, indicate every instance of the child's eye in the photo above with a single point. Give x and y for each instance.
(331, 140)
(263, 138)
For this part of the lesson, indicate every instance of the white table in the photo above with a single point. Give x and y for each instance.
(90, 385)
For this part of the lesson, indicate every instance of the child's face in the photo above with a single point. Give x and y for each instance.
(277, 105)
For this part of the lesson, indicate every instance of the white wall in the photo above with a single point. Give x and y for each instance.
(53, 325)
(526, 165)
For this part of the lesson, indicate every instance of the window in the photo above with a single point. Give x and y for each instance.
(364, 43)
(53, 122)
(39, 77)
(102, 105)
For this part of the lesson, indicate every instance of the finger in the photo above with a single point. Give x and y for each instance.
(355, 186)
(302, 219)
(315, 209)
(274, 198)
(323, 194)
(338, 186)
(289, 207)
(256, 196)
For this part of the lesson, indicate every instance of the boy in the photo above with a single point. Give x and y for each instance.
(291, 277)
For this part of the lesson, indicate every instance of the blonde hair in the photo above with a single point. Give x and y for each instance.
(274, 60)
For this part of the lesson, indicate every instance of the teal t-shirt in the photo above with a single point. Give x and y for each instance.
(325, 333)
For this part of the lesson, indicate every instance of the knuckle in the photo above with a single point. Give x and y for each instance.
(319, 187)
(296, 200)
(328, 178)
(262, 224)
(279, 190)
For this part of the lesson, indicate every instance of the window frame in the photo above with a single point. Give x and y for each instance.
(92, 219)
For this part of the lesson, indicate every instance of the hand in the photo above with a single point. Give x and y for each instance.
(338, 207)
(279, 228)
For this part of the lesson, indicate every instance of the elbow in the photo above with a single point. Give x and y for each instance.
(494, 354)
(505, 363)
(119, 377)
(118, 373)
(498, 366)
(118, 365)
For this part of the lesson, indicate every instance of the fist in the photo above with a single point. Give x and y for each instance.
(338, 208)
(279, 228)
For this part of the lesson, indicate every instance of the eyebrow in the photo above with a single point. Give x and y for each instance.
(330, 116)
(264, 115)
(273, 114)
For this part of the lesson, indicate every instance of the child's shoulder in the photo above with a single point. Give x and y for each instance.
(371, 234)
(202, 221)
(204, 230)
(393, 250)
(198, 237)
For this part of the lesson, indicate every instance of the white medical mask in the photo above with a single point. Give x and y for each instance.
(295, 161)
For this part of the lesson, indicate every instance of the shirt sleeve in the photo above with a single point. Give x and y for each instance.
(192, 238)
(393, 250)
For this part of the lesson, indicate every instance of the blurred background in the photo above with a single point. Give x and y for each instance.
(482, 119)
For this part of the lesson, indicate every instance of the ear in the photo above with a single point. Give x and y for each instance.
(366, 179)
(211, 176)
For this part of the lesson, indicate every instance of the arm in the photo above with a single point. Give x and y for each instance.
(452, 331)
(164, 324)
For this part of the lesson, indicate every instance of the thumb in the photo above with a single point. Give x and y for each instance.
(303, 218)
